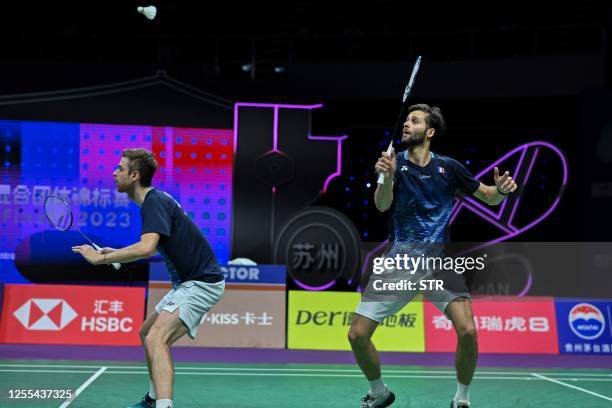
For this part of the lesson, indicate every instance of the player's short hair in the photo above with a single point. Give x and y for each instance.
(142, 160)
(434, 118)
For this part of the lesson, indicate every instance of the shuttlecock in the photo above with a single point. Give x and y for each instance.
(149, 12)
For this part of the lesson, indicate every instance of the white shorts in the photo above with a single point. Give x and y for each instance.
(194, 299)
(378, 310)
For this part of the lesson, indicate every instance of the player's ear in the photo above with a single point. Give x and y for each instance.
(430, 132)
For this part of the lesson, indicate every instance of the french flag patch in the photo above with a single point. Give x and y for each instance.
(441, 170)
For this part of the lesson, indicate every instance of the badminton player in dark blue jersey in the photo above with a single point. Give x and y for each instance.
(418, 190)
(197, 280)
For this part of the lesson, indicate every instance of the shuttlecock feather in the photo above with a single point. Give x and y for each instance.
(149, 12)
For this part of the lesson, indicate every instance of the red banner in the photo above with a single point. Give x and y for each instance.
(505, 325)
(57, 314)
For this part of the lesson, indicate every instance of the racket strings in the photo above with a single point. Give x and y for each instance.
(63, 221)
(59, 213)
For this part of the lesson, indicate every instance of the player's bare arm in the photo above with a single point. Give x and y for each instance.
(383, 196)
(145, 248)
(493, 195)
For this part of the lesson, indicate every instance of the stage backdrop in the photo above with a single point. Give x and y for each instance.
(76, 161)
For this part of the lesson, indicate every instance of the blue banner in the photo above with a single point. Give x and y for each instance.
(584, 326)
(242, 274)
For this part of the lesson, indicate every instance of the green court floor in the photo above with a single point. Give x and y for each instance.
(301, 386)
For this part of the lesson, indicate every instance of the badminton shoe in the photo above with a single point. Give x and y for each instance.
(145, 402)
(378, 401)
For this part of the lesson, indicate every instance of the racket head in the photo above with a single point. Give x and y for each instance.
(58, 212)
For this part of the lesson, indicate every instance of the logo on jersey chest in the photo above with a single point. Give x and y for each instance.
(439, 169)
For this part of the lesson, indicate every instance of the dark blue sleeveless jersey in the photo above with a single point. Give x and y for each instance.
(423, 197)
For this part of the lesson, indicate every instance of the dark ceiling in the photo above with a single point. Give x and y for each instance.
(298, 31)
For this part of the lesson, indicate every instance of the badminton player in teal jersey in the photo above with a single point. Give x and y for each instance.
(197, 280)
(418, 190)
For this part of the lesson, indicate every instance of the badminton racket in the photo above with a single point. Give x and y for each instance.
(400, 118)
(59, 213)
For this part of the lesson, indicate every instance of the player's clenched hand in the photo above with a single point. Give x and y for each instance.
(89, 253)
(106, 250)
(386, 164)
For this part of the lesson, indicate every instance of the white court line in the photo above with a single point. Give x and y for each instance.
(477, 377)
(571, 386)
(507, 376)
(69, 366)
(322, 375)
(83, 386)
(44, 371)
(452, 377)
(330, 370)
(399, 374)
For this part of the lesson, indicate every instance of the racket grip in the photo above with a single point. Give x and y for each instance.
(381, 176)
(116, 265)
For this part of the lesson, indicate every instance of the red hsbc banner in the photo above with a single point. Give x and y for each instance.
(57, 314)
(505, 325)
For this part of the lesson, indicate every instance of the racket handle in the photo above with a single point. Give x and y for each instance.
(381, 176)
(116, 265)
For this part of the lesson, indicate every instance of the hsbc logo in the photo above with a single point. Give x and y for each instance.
(71, 314)
(45, 314)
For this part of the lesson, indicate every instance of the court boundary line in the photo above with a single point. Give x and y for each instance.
(352, 374)
(83, 386)
(14, 370)
(450, 377)
(571, 386)
(39, 367)
(287, 369)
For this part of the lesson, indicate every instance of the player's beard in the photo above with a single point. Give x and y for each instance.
(413, 140)
(124, 187)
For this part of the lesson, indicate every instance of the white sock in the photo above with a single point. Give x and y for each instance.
(378, 387)
(165, 403)
(152, 389)
(462, 392)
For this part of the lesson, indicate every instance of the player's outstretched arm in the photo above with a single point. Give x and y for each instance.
(383, 196)
(493, 195)
(145, 248)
